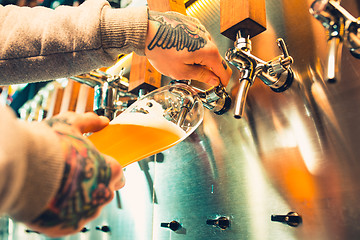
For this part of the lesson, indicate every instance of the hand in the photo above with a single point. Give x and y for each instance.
(89, 179)
(178, 46)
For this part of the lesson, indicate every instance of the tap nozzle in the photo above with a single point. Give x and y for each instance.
(241, 98)
(276, 73)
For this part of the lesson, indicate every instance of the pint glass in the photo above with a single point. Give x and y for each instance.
(155, 122)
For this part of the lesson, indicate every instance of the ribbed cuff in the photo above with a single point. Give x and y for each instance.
(125, 29)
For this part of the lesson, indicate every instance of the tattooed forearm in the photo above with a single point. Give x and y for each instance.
(175, 34)
(84, 186)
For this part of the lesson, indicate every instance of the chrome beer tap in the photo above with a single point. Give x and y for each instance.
(275, 73)
(342, 27)
(216, 99)
(109, 89)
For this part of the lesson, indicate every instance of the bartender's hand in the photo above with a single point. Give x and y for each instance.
(178, 46)
(89, 179)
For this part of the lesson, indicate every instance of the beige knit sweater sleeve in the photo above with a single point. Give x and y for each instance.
(42, 44)
(31, 166)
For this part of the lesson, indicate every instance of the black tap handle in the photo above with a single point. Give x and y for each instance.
(103, 228)
(221, 222)
(292, 219)
(173, 225)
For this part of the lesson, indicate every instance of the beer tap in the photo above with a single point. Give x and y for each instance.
(342, 27)
(275, 73)
(109, 89)
(216, 99)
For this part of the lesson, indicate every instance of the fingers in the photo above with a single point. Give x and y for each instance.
(59, 230)
(117, 175)
(84, 123)
(220, 68)
(199, 73)
(90, 122)
(212, 59)
(210, 72)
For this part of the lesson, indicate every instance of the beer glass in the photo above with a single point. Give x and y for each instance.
(155, 122)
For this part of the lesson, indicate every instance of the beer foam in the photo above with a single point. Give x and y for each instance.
(153, 120)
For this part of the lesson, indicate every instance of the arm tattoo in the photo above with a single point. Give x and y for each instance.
(55, 120)
(180, 36)
(83, 189)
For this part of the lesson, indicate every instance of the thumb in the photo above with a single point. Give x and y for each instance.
(201, 73)
(90, 122)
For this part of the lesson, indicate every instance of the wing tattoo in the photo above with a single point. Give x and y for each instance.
(179, 37)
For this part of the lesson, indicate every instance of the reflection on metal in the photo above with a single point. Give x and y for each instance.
(341, 26)
(5, 227)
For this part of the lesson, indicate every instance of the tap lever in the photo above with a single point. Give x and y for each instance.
(280, 64)
(287, 60)
(283, 47)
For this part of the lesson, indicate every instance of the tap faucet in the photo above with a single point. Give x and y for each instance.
(275, 73)
(216, 99)
(109, 91)
(342, 27)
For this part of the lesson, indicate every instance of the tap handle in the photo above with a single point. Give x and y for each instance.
(287, 60)
(283, 47)
(280, 64)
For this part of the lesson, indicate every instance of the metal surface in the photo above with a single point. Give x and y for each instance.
(292, 152)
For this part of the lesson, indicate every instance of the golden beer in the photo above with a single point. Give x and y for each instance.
(131, 138)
